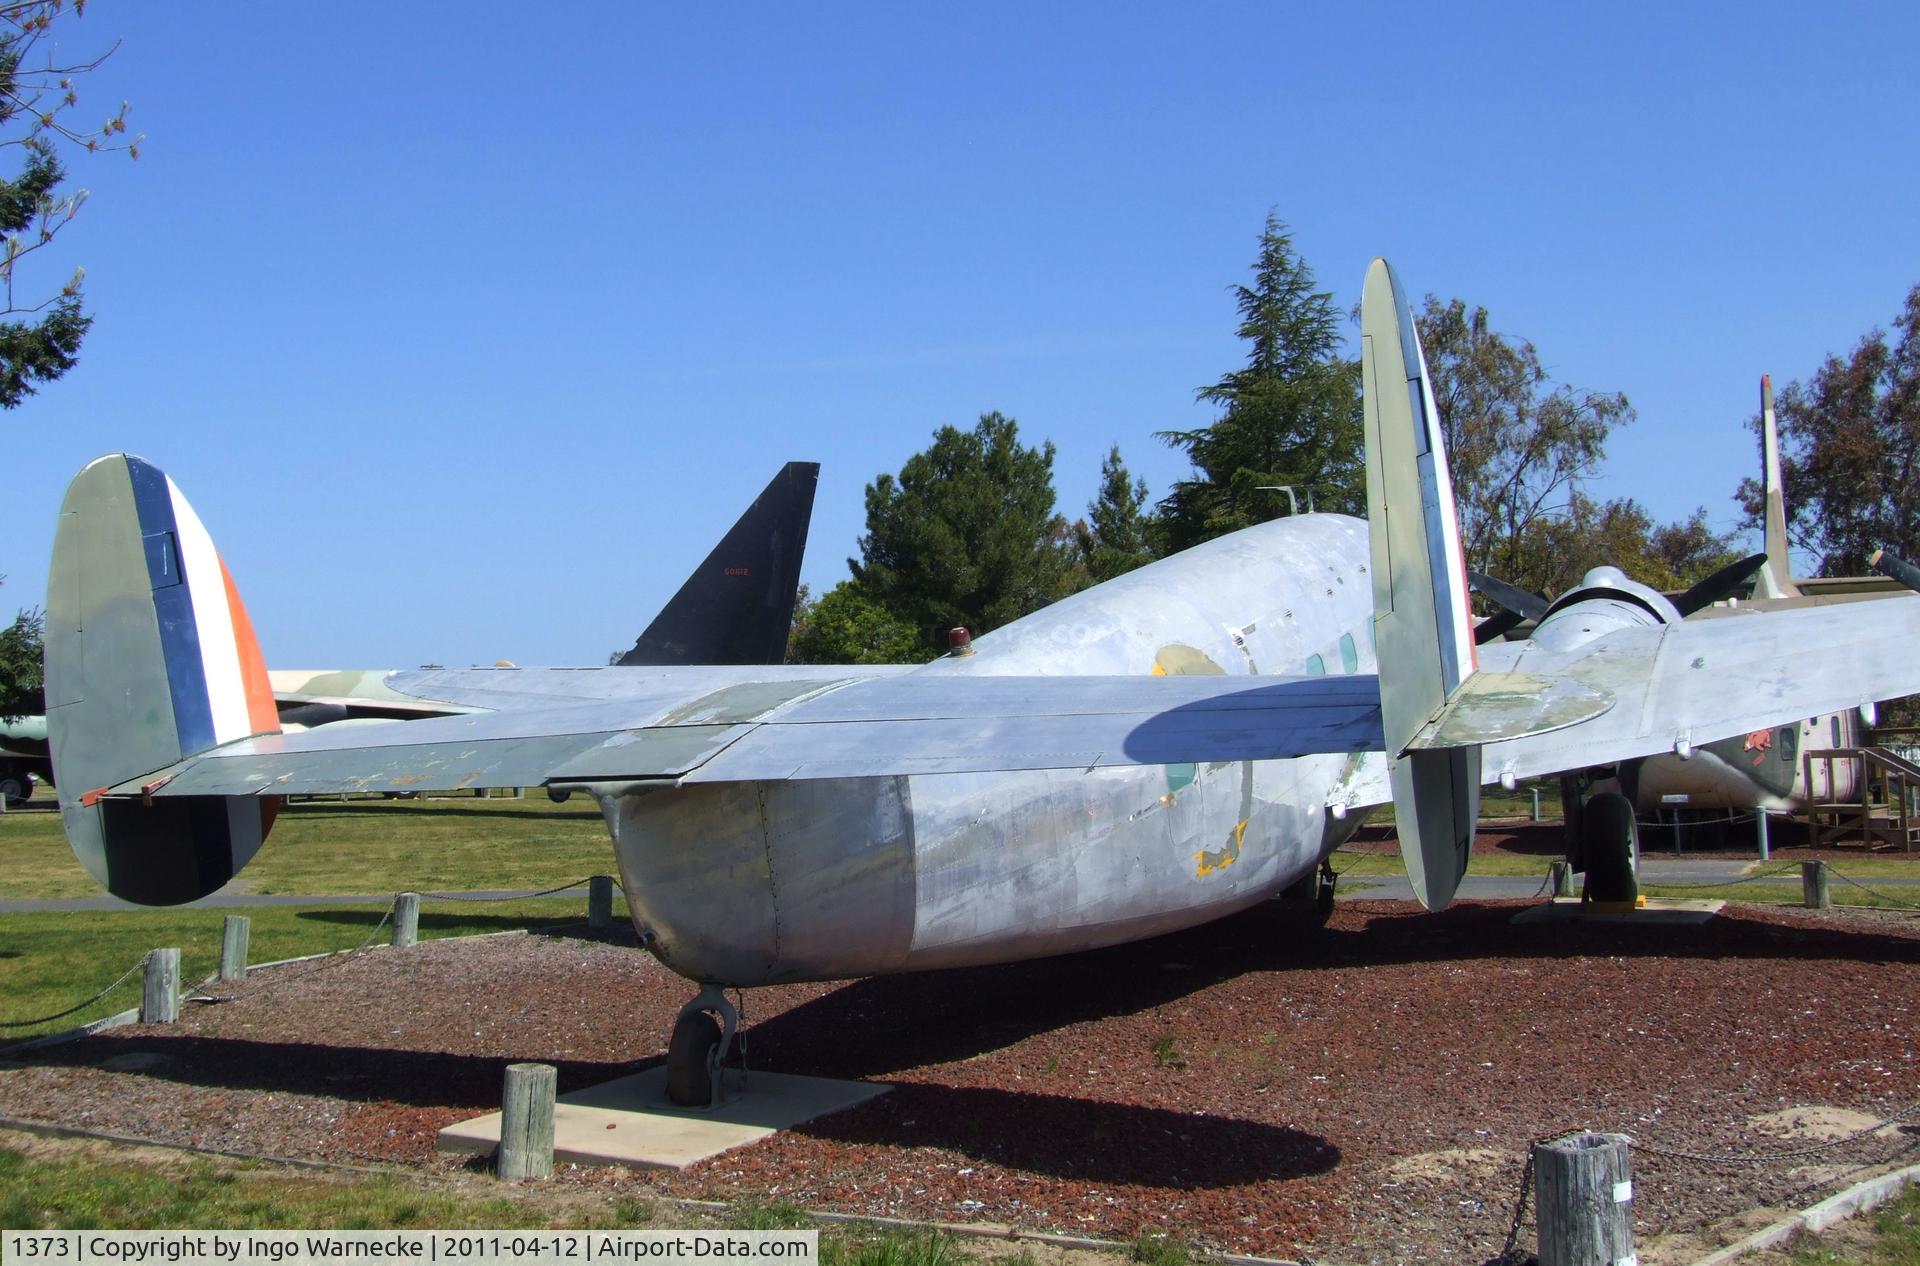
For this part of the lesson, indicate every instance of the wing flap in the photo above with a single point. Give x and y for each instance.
(1057, 723)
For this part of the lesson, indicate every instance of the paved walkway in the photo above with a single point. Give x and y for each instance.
(1653, 871)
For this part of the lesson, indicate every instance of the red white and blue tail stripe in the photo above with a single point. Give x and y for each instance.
(216, 675)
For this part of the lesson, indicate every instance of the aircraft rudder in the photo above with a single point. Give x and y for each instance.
(737, 605)
(1777, 578)
(1422, 624)
(150, 659)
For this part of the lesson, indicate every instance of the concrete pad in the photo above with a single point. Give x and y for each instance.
(1658, 912)
(629, 1121)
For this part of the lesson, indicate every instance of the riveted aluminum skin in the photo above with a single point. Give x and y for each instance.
(772, 880)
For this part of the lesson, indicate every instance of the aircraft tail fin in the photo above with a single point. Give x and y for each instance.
(1423, 630)
(737, 606)
(1776, 578)
(150, 658)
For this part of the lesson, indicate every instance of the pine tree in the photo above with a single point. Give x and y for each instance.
(1114, 537)
(967, 534)
(1290, 417)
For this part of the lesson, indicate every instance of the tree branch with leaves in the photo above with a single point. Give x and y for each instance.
(39, 104)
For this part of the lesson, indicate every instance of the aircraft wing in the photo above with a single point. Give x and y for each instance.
(1675, 687)
(1635, 692)
(806, 728)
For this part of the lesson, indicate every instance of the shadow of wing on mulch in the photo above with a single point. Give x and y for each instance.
(353, 1073)
(1087, 1140)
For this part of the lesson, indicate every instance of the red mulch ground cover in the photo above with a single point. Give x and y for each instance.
(1363, 1091)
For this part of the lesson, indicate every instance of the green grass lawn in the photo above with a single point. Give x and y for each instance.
(1895, 1239)
(1389, 864)
(51, 960)
(78, 1190)
(321, 846)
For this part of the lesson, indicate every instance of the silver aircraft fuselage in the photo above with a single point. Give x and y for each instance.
(759, 882)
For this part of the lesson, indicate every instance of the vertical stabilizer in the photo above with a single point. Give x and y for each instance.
(737, 606)
(150, 659)
(1775, 580)
(1423, 631)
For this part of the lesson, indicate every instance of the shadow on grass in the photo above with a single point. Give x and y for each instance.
(413, 810)
(449, 921)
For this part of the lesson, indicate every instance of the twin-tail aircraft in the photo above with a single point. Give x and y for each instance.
(1161, 750)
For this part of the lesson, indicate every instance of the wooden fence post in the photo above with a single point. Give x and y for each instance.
(406, 919)
(160, 988)
(526, 1123)
(1583, 1190)
(1814, 891)
(600, 901)
(234, 935)
(1562, 875)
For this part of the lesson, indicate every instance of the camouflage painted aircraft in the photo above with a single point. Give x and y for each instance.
(1177, 744)
(23, 758)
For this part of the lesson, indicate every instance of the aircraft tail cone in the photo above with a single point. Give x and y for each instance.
(150, 658)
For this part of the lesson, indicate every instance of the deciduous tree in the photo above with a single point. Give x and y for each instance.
(38, 101)
(847, 627)
(1850, 451)
(1517, 443)
(1291, 416)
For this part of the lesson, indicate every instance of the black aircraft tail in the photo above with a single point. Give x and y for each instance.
(737, 606)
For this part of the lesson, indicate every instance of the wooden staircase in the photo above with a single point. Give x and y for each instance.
(1885, 809)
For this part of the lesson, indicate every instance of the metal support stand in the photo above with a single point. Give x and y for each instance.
(1536, 802)
(1760, 834)
(713, 999)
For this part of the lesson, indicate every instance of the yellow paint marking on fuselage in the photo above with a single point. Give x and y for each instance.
(1210, 862)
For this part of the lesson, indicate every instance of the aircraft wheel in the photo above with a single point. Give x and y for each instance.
(1316, 886)
(1610, 838)
(15, 789)
(690, 1062)
(558, 796)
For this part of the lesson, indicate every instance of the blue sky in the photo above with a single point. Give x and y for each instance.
(468, 328)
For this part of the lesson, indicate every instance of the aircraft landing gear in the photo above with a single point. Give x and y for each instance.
(1317, 887)
(1610, 840)
(700, 1042)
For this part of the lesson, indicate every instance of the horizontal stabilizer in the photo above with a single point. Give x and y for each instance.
(1492, 707)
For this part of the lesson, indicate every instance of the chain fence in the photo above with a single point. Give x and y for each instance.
(202, 992)
(78, 1006)
(508, 896)
(1512, 1255)
(1886, 897)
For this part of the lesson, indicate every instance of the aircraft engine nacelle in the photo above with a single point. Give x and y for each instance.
(1605, 599)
